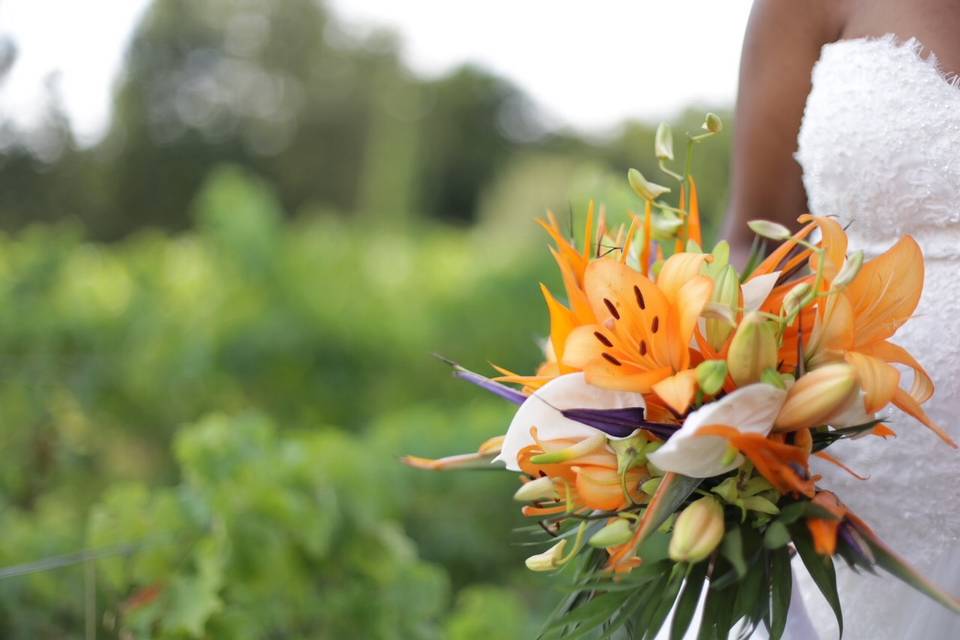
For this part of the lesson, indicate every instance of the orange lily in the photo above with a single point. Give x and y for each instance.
(857, 322)
(642, 340)
(593, 477)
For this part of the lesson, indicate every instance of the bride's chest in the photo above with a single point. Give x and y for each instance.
(880, 144)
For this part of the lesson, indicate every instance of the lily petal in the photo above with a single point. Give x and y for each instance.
(757, 289)
(751, 409)
(543, 411)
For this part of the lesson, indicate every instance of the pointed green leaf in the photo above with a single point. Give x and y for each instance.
(732, 549)
(897, 566)
(820, 569)
(777, 535)
(781, 585)
(687, 604)
(674, 489)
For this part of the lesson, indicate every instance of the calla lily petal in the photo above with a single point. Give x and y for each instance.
(757, 289)
(750, 409)
(543, 411)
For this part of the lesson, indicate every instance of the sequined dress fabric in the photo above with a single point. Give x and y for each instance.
(880, 149)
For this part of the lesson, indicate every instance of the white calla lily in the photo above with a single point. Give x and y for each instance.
(756, 290)
(852, 414)
(750, 409)
(542, 410)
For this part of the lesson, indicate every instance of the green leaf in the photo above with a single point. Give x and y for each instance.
(823, 439)
(674, 489)
(655, 547)
(752, 591)
(781, 585)
(732, 549)
(898, 567)
(655, 615)
(687, 603)
(820, 569)
(718, 609)
(777, 535)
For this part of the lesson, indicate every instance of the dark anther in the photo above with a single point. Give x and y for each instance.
(611, 308)
(643, 347)
(603, 339)
(639, 294)
(609, 358)
(655, 325)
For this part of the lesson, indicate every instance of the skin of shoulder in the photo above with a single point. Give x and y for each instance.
(781, 46)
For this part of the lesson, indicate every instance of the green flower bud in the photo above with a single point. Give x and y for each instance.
(711, 375)
(698, 531)
(796, 299)
(630, 451)
(851, 267)
(643, 187)
(769, 230)
(539, 489)
(663, 144)
(549, 559)
(713, 123)
(753, 349)
(726, 291)
(616, 533)
(582, 448)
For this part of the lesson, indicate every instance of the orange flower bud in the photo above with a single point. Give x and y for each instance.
(816, 396)
(752, 350)
(698, 531)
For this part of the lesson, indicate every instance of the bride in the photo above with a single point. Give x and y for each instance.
(872, 136)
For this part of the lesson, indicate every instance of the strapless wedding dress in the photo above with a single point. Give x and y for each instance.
(880, 149)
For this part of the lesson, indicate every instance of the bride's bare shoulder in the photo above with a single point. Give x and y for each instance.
(818, 21)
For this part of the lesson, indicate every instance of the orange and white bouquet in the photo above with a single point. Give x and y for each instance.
(663, 446)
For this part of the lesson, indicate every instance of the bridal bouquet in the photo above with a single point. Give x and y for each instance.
(664, 444)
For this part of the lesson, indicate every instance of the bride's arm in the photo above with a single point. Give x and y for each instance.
(782, 43)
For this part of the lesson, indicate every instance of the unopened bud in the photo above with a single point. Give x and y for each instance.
(726, 291)
(851, 267)
(582, 448)
(713, 123)
(629, 451)
(769, 230)
(643, 187)
(796, 298)
(753, 349)
(816, 396)
(549, 559)
(539, 489)
(711, 375)
(663, 143)
(698, 531)
(616, 533)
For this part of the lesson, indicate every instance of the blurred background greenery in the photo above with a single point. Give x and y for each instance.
(217, 324)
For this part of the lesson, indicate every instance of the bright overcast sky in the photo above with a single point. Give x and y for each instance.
(589, 65)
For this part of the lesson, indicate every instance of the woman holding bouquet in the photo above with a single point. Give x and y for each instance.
(851, 108)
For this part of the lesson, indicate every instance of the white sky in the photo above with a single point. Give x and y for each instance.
(584, 63)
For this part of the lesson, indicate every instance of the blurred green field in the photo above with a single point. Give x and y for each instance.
(232, 403)
(217, 417)
(216, 338)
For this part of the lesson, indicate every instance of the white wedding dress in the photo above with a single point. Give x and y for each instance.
(880, 149)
